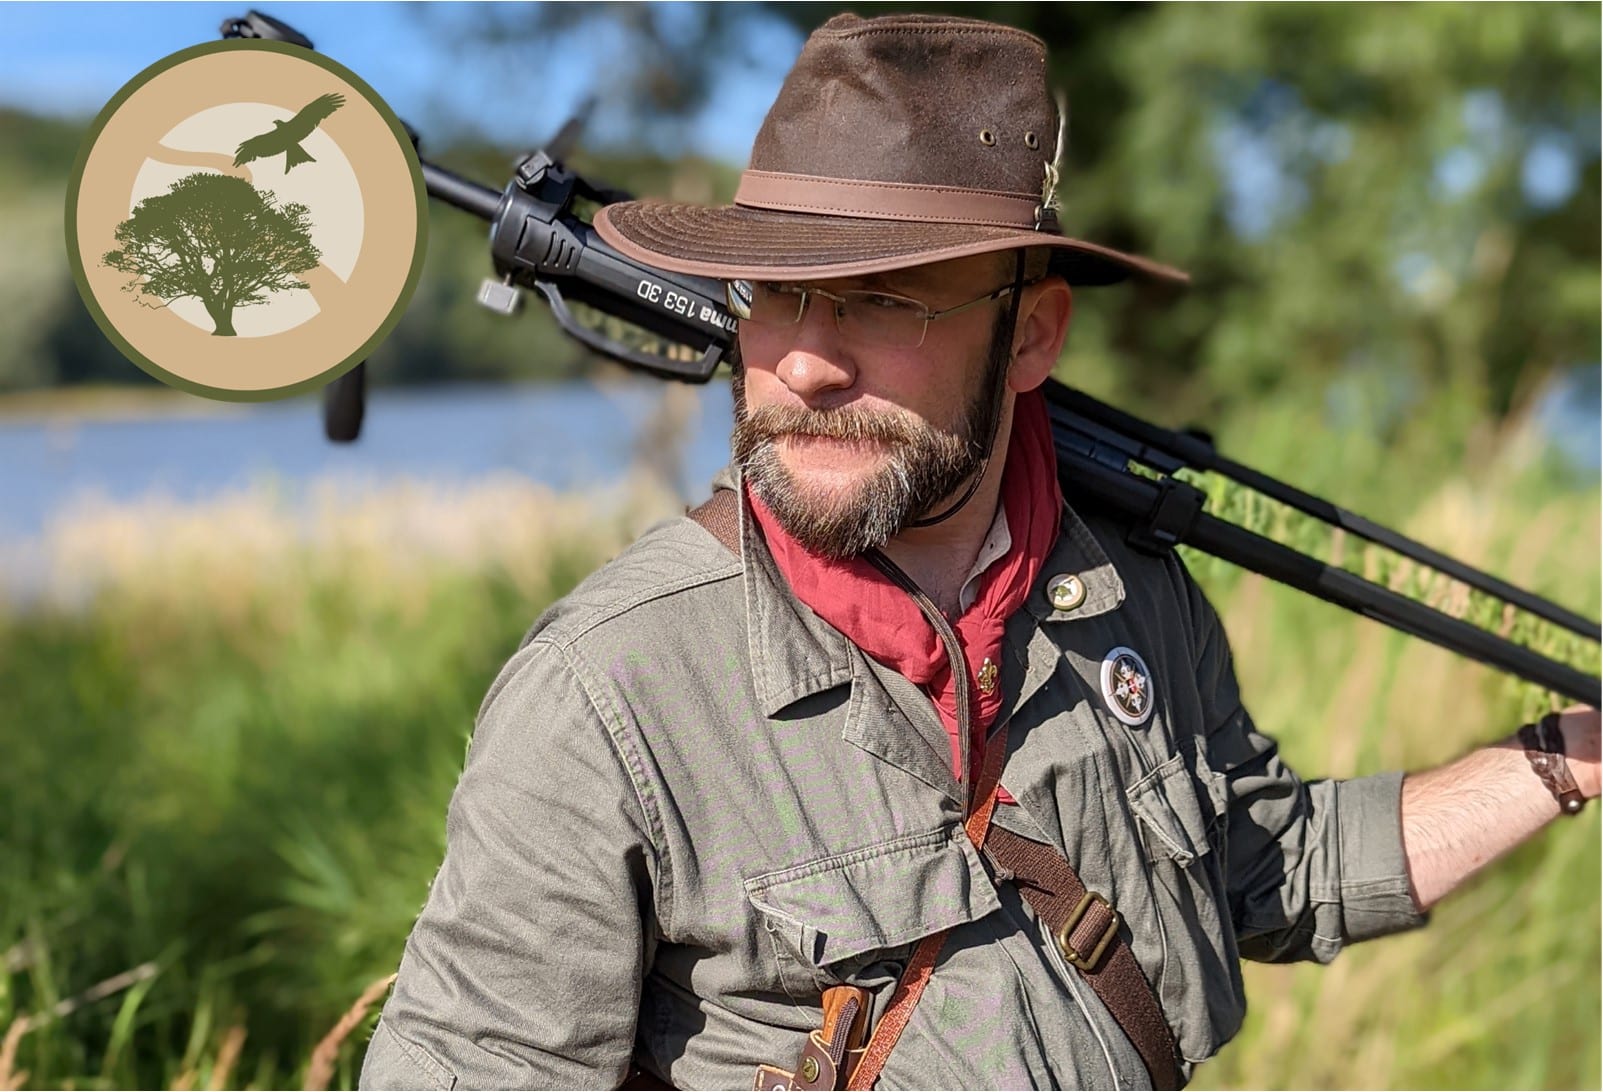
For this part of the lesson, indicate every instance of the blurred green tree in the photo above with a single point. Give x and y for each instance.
(1395, 208)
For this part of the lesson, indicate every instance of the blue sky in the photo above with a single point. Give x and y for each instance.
(69, 59)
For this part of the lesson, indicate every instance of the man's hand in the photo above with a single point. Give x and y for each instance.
(1579, 723)
(1460, 817)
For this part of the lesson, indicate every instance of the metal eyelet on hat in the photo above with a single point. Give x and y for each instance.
(987, 137)
(1031, 141)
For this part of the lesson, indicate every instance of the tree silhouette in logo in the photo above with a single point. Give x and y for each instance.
(218, 239)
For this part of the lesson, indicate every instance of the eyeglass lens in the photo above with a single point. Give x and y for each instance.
(875, 317)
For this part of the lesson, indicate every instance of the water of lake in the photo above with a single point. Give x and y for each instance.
(570, 436)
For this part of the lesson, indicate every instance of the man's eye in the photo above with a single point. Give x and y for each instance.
(875, 301)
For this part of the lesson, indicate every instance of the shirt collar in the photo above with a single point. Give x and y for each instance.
(795, 654)
(1077, 554)
(998, 541)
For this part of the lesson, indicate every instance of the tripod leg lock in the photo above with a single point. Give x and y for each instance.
(1173, 513)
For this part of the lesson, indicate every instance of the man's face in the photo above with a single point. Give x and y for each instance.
(847, 443)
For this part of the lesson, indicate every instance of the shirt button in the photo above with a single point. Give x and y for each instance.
(1066, 591)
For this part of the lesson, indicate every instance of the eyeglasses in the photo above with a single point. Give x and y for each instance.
(870, 318)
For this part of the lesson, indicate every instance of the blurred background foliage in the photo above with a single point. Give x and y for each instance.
(227, 768)
(1393, 211)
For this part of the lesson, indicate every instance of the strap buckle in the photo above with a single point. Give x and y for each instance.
(1087, 961)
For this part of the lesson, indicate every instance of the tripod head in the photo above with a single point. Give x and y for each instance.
(256, 25)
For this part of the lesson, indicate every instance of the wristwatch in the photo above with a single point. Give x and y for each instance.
(1544, 747)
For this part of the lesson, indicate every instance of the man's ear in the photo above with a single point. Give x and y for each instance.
(1037, 341)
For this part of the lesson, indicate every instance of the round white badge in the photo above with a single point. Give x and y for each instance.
(1127, 686)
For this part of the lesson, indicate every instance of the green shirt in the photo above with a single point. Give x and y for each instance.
(690, 805)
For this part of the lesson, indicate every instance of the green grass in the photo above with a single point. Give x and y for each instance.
(1502, 990)
(225, 777)
(234, 764)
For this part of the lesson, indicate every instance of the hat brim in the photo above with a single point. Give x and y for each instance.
(732, 242)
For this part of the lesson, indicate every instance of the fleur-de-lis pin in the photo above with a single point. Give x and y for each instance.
(988, 674)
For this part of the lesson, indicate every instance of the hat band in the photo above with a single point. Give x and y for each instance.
(885, 200)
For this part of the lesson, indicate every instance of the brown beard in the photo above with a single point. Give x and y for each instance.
(923, 464)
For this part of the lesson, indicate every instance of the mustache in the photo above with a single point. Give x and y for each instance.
(849, 423)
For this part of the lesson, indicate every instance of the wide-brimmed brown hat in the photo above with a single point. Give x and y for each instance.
(894, 141)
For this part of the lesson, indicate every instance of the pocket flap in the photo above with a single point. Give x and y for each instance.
(877, 897)
(1165, 801)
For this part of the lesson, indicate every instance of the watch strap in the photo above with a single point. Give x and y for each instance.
(1544, 749)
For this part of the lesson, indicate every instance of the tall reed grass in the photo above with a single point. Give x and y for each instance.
(229, 733)
(1502, 990)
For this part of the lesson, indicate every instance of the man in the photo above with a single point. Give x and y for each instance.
(731, 818)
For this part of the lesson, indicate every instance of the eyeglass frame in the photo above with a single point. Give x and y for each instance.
(804, 293)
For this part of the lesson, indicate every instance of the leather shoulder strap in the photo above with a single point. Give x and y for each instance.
(1086, 930)
(721, 517)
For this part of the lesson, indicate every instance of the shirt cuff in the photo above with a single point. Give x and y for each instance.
(1375, 899)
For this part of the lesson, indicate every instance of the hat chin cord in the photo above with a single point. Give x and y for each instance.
(995, 422)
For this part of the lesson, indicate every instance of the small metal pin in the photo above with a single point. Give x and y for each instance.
(987, 676)
(1066, 591)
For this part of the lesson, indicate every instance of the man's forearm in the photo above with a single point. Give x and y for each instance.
(1462, 816)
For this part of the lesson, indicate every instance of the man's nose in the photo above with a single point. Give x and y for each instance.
(817, 359)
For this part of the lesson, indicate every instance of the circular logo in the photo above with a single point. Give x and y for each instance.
(1127, 686)
(246, 220)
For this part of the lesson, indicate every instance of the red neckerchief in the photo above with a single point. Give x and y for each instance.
(883, 620)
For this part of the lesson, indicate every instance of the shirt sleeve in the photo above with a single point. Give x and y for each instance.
(524, 969)
(1311, 866)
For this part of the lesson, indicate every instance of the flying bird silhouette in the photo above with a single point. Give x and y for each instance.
(286, 136)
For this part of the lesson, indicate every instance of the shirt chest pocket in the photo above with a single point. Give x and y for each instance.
(831, 919)
(1180, 807)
